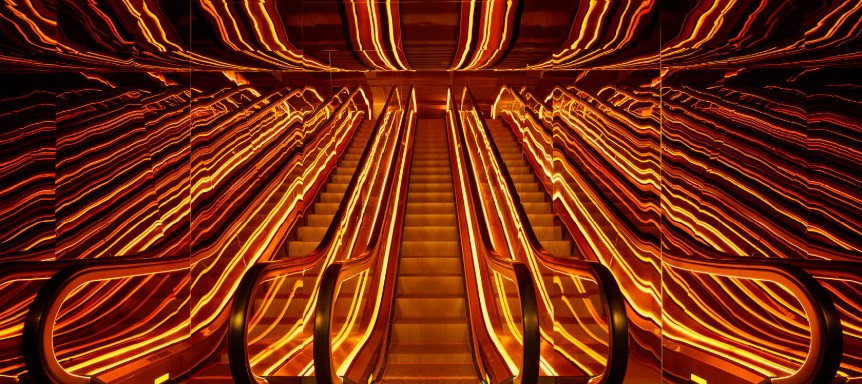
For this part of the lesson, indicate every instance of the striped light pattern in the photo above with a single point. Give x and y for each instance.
(209, 165)
(709, 33)
(485, 33)
(739, 170)
(375, 31)
(258, 35)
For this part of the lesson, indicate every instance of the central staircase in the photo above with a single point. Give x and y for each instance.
(430, 334)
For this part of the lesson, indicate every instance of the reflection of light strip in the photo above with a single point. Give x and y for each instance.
(395, 52)
(504, 304)
(374, 25)
(466, 47)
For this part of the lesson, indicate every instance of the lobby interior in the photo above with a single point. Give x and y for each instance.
(421, 191)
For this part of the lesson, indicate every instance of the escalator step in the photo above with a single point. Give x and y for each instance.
(438, 332)
(431, 220)
(421, 265)
(426, 233)
(436, 248)
(445, 285)
(419, 308)
(406, 353)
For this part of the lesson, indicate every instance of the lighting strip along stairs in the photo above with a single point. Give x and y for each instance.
(430, 334)
(534, 199)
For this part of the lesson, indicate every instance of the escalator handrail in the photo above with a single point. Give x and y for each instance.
(39, 355)
(529, 370)
(342, 270)
(238, 358)
(612, 295)
(38, 340)
(826, 346)
(825, 350)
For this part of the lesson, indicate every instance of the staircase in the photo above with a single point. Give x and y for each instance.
(533, 197)
(430, 334)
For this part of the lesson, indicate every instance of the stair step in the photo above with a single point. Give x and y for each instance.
(532, 197)
(528, 187)
(319, 220)
(431, 220)
(428, 265)
(301, 248)
(437, 331)
(345, 170)
(405, 353)
(538, 208)
(332, 197)
(420, 186)
(441, 285)
(518, 169)
(418, 308)
(430, 233)
(421, 156)
(428, 372)
(561, 248)
(327, 208)
(436, 179)
(419, 197)
(312, 234)
(431, 163)
(336, 187)
(336, 178)
(523, 178)
(548, 232)
(429, 170)
(439, 207)
(540, 219)
(430, 248)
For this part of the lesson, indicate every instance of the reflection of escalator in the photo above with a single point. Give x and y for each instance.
(306, 238)
(533, 198)
(309, 233)
(430, 336)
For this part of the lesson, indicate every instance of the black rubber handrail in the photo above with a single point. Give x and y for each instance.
(339, 271)
(238, 358)
(826, 349)
(614, 300)
(39, 355)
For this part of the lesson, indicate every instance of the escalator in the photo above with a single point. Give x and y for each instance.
(821, 335)
(306, 237)
(430, 335)
(311, 231)
(533, 198)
